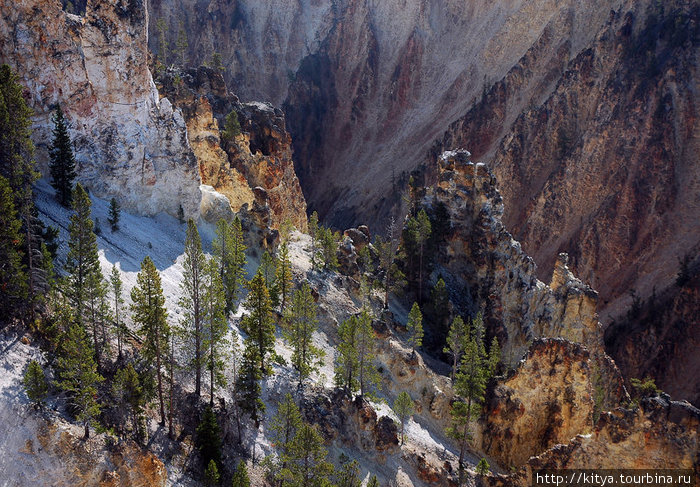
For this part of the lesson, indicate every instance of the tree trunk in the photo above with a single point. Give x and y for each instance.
(87, 430)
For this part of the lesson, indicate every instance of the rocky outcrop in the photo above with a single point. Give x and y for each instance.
(659, 434)
(128, 143)
(551, 397)
(485, 265)
(260, 156)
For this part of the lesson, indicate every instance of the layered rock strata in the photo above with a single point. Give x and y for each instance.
(260, 156)
(128, 142)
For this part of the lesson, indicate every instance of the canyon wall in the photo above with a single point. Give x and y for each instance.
(128, 142)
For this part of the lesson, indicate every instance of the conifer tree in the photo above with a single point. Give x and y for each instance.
(78, 375)
(299, 324)
(235, 364)
(248, 386)
(211, 474)
(240, 476)
(171, 387)
(209, 437)
(268, 269)
(62, 164)
(367, 374)
(215, 327)
(98, 313)
(347, 358)
(283, 275)
(415, 327)
(258, 324)
(329, 248)
(494, 357)
(229, 249)
(115, 211)
(191, 301)
(306, 461)
(373, 481)
(422, 233)
(148, 308)
(356, 353)
(483, 467)
(117, 288)
(456, 342)
(404, 408)
(313, 232)
(232, 127)
(35, 383)
(13, 279)
(129, 394)
(393, 280)
(349, 474)
(439, 310)
(283, 428)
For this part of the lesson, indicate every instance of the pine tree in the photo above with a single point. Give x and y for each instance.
(313, 232)
(62, 164)
(306, 461)
(258, 324)
(349, 474)
(78, 375)
(162, 28)
(229, 250)
(148, 308)
(422, 234)
(456, 342)
(117, 289)
(35, 383)
(191, 301)
(470, 386)
(209, 437)
(373, 481)
(211, 474)
(438, 314)
(86, 287)
(283, 275)
(248, 386)
(114, 214)
(129, 395)
(494, 357)
(404, 408)
(240, 476)
(13, 279)
(415, 327)
(329, 248)
(299, 324)
(356, 353)
(182, 44)
(393, 280)
(283, 428)
(17, 167)
(232, 127)
(268, 269)
(235, 364)
(215, 327)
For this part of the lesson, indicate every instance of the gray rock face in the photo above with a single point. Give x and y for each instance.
(128, 143)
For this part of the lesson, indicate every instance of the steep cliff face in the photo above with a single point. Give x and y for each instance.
(603, 168)
(128, 142)
(260, 156)
(370, 84)
(550, 398)
(489, 270)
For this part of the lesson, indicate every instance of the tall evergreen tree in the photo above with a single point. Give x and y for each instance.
(215, 327)
(62, 164)
(235, 364)
(329, 248)
(211, 474)
(283, 428)
(456, 342)
(404, 408)
(209, 437)
(248, 386)
(148, 308)
(116, 287)
(355, 366)
(191, 301)
(494, 357)
(129, 395)
(422, 234)
(258, 323)
(13, 279)
(313, 232)
(415, 327)
(229, 249)
(17, 167)
(306, 462)
(268, 269)
(299, 324)
(115, 211)
(347, 359)
(349, 473)
(283, 275)
(78, 375)
(392, 279)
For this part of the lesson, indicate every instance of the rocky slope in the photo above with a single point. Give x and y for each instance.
(128, 142)
(260, 156)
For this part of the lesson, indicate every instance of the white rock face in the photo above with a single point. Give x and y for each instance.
(128, 143)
